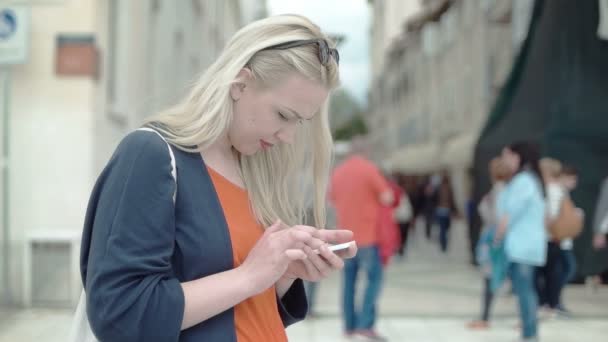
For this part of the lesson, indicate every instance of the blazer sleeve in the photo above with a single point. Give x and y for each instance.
(132, 294)
(293, 306)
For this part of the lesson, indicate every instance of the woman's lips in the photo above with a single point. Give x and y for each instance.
(265, 145)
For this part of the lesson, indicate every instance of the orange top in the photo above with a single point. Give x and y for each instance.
(355, 191)
(257, 318)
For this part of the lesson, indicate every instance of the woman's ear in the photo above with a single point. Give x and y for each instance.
(240, 83)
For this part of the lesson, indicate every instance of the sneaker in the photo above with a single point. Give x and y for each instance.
(478, 325)
(370, 335)
(546, 314)
(563, 313)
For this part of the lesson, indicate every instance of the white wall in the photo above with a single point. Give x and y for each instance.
(51, 143)
(64, 129)
(252, 10)
(397, 14)
(3, 259)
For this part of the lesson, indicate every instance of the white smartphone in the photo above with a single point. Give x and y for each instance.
(338, 247)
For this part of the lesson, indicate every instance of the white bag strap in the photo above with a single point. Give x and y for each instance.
(173, 167)
(81, 330)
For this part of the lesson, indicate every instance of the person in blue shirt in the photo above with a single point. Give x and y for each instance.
(521, 226)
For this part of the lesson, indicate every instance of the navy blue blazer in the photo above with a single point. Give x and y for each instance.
(138, 246)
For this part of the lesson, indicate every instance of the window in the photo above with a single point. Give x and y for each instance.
(117, 60)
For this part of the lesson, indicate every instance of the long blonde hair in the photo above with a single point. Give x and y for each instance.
(275, 179)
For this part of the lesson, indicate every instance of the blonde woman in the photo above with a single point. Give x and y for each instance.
(215, 252)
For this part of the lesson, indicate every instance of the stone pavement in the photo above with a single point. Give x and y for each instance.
(428, 297)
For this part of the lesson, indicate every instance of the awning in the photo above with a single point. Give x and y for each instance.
(416, 158)
(458, 151)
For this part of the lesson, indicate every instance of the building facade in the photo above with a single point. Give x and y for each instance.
(438, 81)
(388, 18)
(63, 129)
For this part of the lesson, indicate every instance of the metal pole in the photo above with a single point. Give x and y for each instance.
(4, 163)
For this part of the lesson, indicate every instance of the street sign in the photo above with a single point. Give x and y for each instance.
(14, 34)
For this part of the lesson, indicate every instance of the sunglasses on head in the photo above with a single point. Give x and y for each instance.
(325, 52)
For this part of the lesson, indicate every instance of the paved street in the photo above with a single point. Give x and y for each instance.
(428, 297)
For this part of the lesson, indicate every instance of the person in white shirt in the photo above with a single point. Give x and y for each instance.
(568, 181)
(548, 277)
(600, 223)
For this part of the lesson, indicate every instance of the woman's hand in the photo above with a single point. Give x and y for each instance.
(501, 230)
(270, 257)
(320, 263)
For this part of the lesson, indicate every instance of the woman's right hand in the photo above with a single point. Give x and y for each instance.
(269, 258)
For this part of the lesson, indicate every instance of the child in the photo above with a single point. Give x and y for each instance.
(487, 211)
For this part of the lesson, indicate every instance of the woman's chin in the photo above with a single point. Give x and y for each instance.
(248, 151)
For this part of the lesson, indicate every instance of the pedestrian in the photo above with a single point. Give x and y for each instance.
(521, 224)
(404, 213)
(548, 276)
(429, 202)
(198, 237)
(389, 235)
(445, 210)
(569, 181)
(499, 174)
(600, 221)
(357, 191)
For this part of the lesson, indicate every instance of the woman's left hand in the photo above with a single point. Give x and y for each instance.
(319, 265)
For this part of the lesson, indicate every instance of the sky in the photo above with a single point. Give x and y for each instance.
(350, 18)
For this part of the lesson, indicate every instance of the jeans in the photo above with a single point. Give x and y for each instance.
(429, 220)
(444, 220)
(522, 277)
(311, 293)
(568, 263)
(368, 260)
(548, 277)
(488, 297)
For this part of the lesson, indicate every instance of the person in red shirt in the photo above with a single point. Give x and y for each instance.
(357, 191)
(389, 235)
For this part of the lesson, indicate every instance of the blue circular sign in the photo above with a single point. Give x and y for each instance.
(8, 23)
